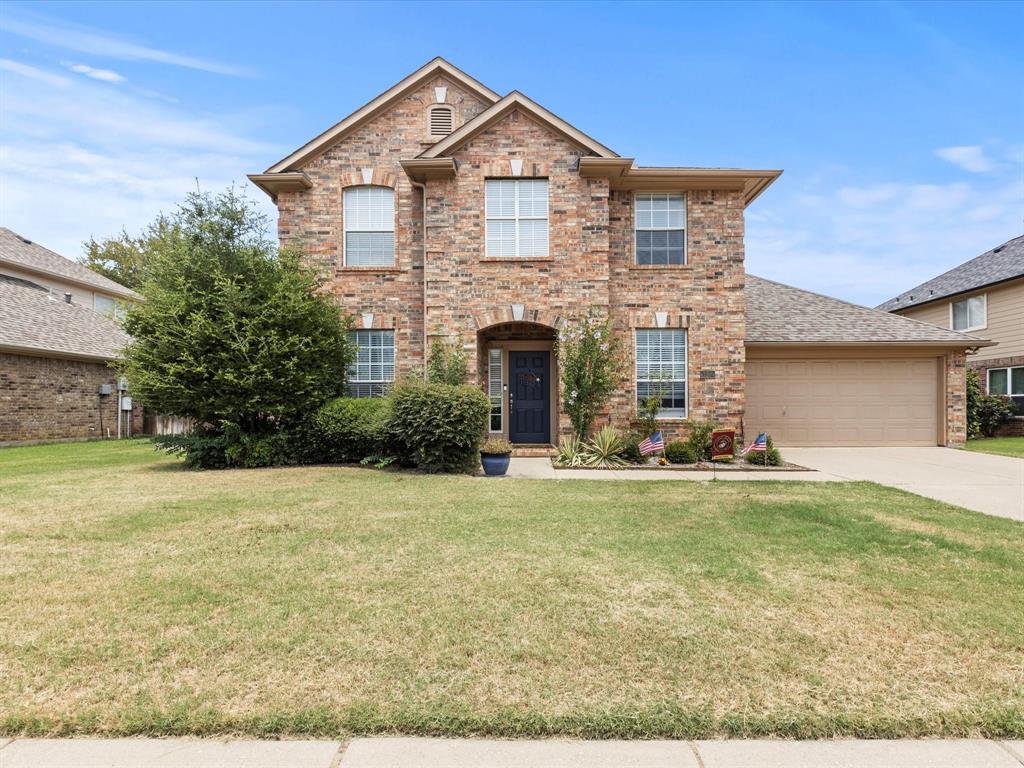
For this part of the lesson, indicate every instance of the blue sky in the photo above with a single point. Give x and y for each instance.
(900, 127)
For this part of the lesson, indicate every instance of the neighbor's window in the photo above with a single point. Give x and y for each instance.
(1009, 382)
(494, 388)
(969, 314)
(373, 372)
(517, 217)
(661, 369)
(104, 305)
(369, 227)
(660, 223)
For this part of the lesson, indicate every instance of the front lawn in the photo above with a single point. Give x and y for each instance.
(138, 598)
(1001, 446)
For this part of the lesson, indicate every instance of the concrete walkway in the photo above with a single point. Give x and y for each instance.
(478, 753)
(978, 481)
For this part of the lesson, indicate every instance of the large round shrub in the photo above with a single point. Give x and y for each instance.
(439, 426)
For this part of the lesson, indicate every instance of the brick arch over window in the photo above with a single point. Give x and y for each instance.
(502, 315)
(377, 178)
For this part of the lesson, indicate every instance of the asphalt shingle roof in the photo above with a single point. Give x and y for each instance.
(33, 319)
(1004, 262)
(21, 252)
(778, 313)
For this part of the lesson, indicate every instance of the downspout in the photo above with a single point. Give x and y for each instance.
(423, 191)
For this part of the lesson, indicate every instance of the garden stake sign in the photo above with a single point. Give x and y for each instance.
(722, 444)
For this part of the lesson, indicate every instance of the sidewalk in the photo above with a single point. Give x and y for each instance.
(480, 753)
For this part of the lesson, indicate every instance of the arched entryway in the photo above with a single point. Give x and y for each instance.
(516, 362)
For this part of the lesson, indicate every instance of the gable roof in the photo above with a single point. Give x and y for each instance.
(21, 253)
(782, 314)
(339, 131)
(1004, 262)
(34, 321)
(494, 113)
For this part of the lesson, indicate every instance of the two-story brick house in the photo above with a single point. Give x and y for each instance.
(441, 209)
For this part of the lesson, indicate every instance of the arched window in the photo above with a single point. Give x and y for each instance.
(441, 121)
(369, 227)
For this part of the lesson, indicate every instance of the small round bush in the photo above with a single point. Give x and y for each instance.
(678, 452)
(348, 429)
(770, 457)
(631, 449)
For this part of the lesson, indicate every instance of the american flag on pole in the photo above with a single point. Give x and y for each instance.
(760, 445)
(652, 444)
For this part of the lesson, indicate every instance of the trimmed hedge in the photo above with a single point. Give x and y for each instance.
(678, 452)
(440, 426)
(348, 429)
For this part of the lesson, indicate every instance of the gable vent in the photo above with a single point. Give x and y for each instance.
(442, 121)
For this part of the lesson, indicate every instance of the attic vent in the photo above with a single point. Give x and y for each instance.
(442, 121)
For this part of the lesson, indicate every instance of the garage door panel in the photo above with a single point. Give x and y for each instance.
(860, 401)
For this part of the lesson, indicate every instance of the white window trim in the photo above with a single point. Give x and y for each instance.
(345, 230)
(515, 217)
(686, 380)
(501, 390)
(349, 379)
(984, 322)
(1009, 379)
(686, 227)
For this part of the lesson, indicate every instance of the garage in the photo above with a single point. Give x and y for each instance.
(824, 372)
(861, 401)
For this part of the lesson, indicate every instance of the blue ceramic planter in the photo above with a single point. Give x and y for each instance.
(495, 464)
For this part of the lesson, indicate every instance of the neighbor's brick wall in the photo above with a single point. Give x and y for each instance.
(1015, 426)
(50, 399)
(314, 218)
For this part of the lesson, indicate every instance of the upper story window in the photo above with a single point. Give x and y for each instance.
(369, 227)
(661, 369)
(517, 217)
(373, 372)
(660, 223)
(1010, 383)
(969, 314)
(110, 307)
(441, 121)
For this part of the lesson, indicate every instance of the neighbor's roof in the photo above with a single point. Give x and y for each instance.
(22, 253)
(35, 321)
(782, 314)
(1002, 263)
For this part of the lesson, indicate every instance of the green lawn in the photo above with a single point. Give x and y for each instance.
(139, 598)
(1001, 446)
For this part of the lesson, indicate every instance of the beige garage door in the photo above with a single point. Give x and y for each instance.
(844, 402)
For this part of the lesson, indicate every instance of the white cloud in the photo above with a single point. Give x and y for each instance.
(969, 158)
(98, 43)
(106, 75)
(84, 157)
(868, 243)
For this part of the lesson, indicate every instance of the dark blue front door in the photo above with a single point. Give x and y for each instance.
(529, 388)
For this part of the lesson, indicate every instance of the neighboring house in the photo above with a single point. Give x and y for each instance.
(441, 209)
(985, 297)
(56, 348)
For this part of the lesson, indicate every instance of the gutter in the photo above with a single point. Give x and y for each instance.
(422, 187)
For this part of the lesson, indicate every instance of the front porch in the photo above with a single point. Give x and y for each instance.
(517, 365)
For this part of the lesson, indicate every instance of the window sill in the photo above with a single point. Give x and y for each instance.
(516, 259)
(371, 269)
(969, 330)
(660, 267)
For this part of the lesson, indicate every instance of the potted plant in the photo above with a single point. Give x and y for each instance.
(494, 455)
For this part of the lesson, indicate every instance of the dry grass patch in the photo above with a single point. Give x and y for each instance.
(140, 598)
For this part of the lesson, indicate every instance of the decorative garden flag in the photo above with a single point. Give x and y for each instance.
(723, 443)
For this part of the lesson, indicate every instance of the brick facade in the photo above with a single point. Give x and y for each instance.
(45, 398)
(1015, 426)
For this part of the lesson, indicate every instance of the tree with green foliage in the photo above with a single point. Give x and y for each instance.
(446, 364)
(123, 258)
(588, 358)
(232, 331)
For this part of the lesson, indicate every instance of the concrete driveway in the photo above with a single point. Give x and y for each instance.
(978, 481)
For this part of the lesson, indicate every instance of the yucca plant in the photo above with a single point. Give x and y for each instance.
(571, 452)
(604, 451)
